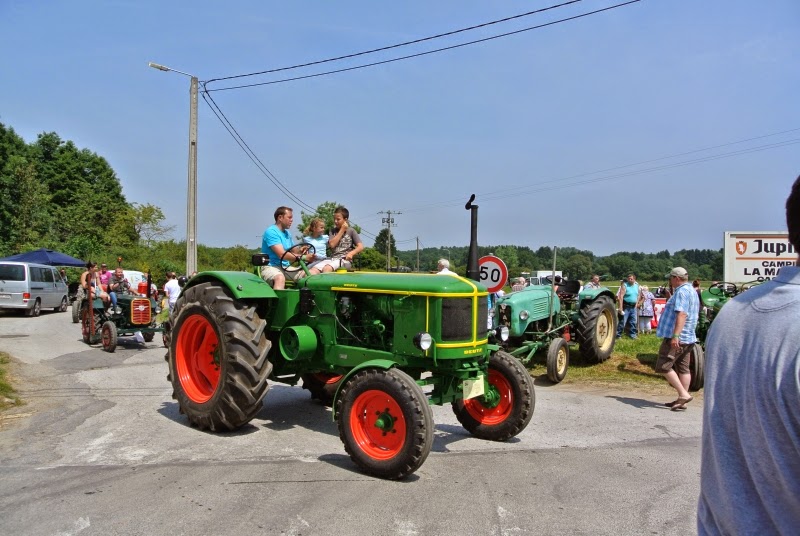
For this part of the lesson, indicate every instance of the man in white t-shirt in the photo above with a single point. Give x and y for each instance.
(172, 289)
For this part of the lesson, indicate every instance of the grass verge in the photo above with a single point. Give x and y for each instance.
(632, 365)
(8, 396)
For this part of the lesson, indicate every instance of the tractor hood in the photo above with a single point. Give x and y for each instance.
(407, 284)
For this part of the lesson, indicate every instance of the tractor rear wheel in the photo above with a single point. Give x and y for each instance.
(596, 329)
(557, 360)
(109, 336)
(322, 386)
(697, 365)
(217, 358)
(89, 336)
(76, 310)
(385, 422)
(507, 408)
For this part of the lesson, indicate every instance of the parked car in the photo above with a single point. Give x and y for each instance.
(30, 287)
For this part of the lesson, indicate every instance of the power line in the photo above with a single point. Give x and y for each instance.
(250, 153)
(398, 45)
(499, 194)
(410, 56)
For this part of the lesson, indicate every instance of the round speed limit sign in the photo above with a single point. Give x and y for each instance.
(493, 272)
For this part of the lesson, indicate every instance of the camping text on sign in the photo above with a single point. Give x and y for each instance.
(756, 255)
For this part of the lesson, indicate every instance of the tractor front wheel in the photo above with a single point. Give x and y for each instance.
(109, 336)
(217, 358)
(557, 360)
(697, 365)
(385, 422)
(596, 329)
(322, 386)
(507, 408)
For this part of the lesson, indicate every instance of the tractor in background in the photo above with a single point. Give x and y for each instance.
(555, 315)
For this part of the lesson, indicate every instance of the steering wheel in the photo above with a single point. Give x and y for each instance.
(722, 289)
(297, 264)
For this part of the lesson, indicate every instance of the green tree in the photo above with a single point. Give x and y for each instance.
(237, 258)
(371, 260)
(148, 223)
(29, 223)
(577, 266)
(381, 242)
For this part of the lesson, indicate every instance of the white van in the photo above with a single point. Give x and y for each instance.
(30, 286)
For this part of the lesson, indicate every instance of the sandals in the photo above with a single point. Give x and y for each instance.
(680, 404)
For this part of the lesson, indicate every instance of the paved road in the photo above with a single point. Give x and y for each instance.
(100, 448)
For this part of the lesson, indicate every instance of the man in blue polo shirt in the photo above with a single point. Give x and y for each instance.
(676, 326)
(276, 242)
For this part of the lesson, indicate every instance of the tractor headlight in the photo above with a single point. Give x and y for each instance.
(523, 315)
(157, 309)
(501, 333)
(423, 340)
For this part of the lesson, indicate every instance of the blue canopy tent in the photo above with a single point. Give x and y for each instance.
(46, 256)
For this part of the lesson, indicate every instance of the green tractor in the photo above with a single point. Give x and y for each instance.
(554, 315)
(712, 300)
(134, 313)
(380, 347)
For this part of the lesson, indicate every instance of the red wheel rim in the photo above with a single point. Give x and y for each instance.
(378, 425)
(500, 412)
(195, 349)
(327, 378)
(106, 338)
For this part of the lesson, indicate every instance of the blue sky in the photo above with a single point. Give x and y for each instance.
(528, 122)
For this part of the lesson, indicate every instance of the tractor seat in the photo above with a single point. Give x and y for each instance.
(262, 259)
(569, 287)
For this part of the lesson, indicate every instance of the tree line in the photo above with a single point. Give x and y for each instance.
(58, 196)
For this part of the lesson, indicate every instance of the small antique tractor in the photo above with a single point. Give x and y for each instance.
(554, 315)
(367, 342)
(134, 313)
(713, 299)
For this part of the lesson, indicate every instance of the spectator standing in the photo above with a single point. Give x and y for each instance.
(443, 267)
(646, 310)
(276, 242)
(172, 289)
(628, 299)
(750, 470)
(676, 326)
(594, 282)
(63, 274)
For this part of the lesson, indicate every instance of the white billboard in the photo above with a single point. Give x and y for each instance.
(756, 255)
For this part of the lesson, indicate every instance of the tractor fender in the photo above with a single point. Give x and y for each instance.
(243, 285)
(384, 364)
(591, 294)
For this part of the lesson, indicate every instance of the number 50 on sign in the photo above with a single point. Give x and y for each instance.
(493, 272)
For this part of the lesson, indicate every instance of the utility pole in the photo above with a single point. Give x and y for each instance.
(191, 190)
(389, 221)
(417, 254)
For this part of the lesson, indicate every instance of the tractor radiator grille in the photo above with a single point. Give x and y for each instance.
(140, 312)
(457, 318)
